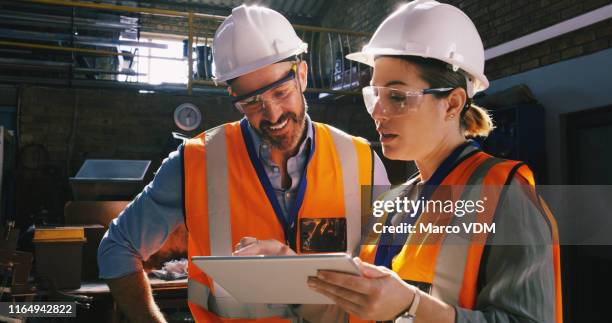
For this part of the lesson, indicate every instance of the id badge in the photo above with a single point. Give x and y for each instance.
(322, 235)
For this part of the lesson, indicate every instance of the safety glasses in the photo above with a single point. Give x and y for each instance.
(277, 92)
(394, 102)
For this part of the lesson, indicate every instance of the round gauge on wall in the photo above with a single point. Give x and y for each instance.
(187, 117)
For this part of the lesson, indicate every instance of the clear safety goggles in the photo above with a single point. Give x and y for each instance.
(394, 102)
(275, 93)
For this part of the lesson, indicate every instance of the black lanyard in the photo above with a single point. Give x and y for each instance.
(290, 225)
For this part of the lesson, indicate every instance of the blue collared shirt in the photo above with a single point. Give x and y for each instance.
(144, 225)
(295, 167)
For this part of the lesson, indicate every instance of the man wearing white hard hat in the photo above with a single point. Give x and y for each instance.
(252, 186)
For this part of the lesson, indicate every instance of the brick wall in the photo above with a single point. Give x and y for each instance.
(498, 22)
(8, 95)
(109, 124)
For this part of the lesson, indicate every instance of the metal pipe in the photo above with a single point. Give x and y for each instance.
(341, 61)
(206, 82)
(18, 121)
(174, 13)
(82, 50)
(28, 19)
(85, 40)
(190, 51)
(332, 30)
(206, 71)
(331, 56)
(311, 60)
(15, 51)
(12, 61)
(101, 71)
(97, 84)
(343, 92)
(63, 49)
(72, 32)
(103, 6)
(29, 67)
(348, 44)
(319, 60)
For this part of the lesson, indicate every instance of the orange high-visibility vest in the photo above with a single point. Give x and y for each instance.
(225, 201)
(439, 260)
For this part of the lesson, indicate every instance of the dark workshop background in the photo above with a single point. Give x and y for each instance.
(63, 110)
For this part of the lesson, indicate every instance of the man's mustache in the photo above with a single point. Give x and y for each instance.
(265, 124)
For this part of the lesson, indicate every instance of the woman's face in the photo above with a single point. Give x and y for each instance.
(411, 135)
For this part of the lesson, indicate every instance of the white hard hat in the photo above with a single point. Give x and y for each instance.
(252, 37)
(430, 29)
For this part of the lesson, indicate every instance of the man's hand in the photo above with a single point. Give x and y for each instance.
(133, 295)
(249, 246)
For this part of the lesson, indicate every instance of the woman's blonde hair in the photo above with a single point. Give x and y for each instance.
(475, 121)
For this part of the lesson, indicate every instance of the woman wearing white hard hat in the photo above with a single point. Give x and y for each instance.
(428, 63)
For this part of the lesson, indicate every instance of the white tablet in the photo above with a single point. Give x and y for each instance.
(273, 279)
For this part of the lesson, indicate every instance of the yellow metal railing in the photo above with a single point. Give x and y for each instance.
(322, 45)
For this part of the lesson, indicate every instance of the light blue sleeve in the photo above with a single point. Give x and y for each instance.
(144, 225)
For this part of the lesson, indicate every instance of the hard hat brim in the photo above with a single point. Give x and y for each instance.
(367, 57)
(252, 67)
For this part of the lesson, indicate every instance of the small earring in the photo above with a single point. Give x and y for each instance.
(451, 116)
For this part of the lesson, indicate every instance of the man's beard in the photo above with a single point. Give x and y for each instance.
(288, 141)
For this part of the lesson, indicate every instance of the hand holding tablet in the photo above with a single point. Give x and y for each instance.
(273, 279)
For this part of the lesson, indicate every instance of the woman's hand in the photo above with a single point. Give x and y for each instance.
(249, 246)
(379, 294)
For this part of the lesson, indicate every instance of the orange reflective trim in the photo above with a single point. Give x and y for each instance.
(492, 187)
(462, 172)
(417, 259)
(527, 174)
(324, 196)
(194, 271)
(196, 204)
(556, 260)
(368, 253)
(252, 214)
(355, 319)
(528, 178)
(558, 285)
(364, 155)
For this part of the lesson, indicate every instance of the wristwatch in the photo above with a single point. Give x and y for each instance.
(410, 314)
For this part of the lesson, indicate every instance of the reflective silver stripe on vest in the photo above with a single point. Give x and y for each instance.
(450, 263)
(229, 307)
(198, 293)
(347, 154)
(219, 226)
(220, 233)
